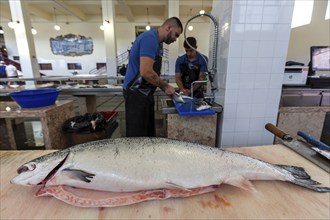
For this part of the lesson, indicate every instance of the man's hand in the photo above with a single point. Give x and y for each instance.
(185, 92)
(169, 90)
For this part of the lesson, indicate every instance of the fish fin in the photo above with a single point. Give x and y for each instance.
(302, 178)
(79, 174)
(241, 182)
(176, 186)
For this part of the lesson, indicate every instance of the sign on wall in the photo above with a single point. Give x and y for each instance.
(71, 45)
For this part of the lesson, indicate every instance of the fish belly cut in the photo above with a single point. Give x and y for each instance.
(94, 198)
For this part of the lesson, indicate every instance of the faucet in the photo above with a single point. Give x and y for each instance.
(212, 72)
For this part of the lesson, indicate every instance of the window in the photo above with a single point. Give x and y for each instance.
(100, 65)
(74, 66)
(45, 66)
(302, 13)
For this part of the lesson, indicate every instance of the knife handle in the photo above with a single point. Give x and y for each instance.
(312, 140)
(278, 132)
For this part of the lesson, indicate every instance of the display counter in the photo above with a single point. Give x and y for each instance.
(52, 118)
(198, 129)
(305, 109)
(273, 199)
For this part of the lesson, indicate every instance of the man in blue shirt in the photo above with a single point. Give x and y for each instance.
(191, 67)
(142, 77)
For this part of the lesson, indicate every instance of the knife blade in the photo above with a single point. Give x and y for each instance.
(299, 147)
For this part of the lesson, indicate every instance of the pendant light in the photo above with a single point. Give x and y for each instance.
(33, 31)
(201, 12)
(190, 27)
(56, 26)
(101, 26)
(148, 24)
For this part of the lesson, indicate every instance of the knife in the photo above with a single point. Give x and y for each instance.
(299, 147)
(312, 140)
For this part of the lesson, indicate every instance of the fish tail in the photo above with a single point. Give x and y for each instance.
(302, 178)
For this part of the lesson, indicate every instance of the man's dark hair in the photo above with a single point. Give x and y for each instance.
(174, 21)
(192, 41)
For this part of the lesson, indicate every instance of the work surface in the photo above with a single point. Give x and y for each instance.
(273, 199)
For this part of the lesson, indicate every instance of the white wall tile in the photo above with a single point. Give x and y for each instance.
(263, 64)
(250, 48)
(243, 112)
(266, 48)
(241, 139)
(259, 96)
(285, 14)
(281, 48)
(268, 32)
(254, 138)
(270, 14)
(231, 96)
(235, 49)
(253, 14)
(258, 110)
(244, 95)
(248, 65)
(276, 81)
(229, 125)
(252, 32)
(230, 112)
(227, 139)
(262, 81)
(246, 81)
(233, 81)
(234, 65)
(237, 31)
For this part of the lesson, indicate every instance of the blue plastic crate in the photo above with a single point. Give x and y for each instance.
(189, 109)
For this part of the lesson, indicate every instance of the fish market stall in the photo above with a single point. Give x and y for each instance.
(200, 129)
(273, 199)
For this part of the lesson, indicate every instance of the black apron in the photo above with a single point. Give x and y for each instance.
(139, 105)
(190, 73)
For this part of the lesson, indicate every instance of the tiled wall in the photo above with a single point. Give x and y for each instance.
(254, 37)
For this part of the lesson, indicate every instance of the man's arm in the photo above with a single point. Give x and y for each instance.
(178, 81)
(147, 72)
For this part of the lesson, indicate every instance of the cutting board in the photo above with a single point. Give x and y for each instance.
(273, 199)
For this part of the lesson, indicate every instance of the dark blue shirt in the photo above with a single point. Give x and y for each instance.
(146, 45)
(198, 61)
(3, 71)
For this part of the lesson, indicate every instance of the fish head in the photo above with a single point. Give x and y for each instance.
(39, 170)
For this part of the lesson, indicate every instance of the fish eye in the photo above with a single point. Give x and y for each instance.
(26, 167)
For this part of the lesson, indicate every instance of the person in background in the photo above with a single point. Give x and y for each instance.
(11, 72)
(123, 69)
(3, 71)
(142, 77)
(191, 67)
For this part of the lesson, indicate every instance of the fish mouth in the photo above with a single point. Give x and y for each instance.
(53, 172)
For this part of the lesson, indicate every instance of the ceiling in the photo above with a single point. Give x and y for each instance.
(90, 10)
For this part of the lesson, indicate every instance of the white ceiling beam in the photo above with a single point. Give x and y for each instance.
(126, 9)
(71, 10)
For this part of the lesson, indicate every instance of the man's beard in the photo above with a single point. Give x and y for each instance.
(168, 39)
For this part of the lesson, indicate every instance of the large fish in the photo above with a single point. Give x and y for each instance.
(123, 171)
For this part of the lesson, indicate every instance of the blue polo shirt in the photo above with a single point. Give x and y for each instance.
(146, 45)
(184, 59)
